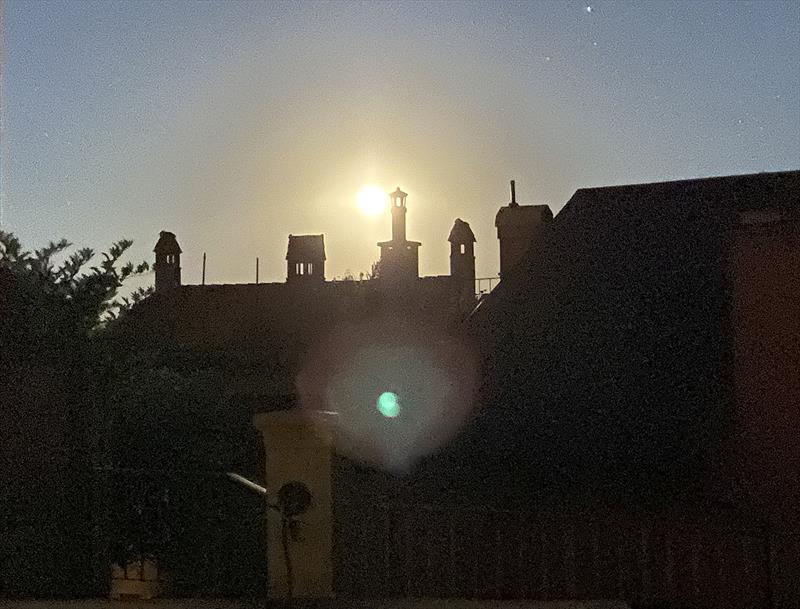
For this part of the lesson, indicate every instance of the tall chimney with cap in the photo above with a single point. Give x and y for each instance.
(462, 262)
(168, 261)
(518, 228)
(398, 198)
(399, 262)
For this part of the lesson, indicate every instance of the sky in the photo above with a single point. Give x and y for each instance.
(234, 124)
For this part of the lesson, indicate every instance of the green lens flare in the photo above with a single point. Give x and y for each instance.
(388, 405)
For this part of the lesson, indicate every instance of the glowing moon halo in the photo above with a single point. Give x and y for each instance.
(372, 200)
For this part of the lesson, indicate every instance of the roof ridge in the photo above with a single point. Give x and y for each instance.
(786, 172)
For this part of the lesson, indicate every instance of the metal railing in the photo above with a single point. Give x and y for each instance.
(204, 533)
(427, 551)
(484, 285)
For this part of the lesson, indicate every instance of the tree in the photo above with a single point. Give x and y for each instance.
(82, 299)
(375, 271)
(96, 419)
(53, 305)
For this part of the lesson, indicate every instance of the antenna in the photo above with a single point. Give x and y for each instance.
(204, 269)
(513, 194)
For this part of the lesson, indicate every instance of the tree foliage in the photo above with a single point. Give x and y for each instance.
(54, 372)
(50, 291)
(98, 420)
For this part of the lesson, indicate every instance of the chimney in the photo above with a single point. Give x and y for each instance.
(518, 228)
(168, 261)
(462, 262)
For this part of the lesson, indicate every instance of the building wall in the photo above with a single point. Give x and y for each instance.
(764, 272)
(764, 268)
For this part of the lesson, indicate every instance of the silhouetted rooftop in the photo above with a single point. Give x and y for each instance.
(614, 217)
(726, 193)
(227, 315)
(461, 232)
(513, 214)
(306, 247)
(406, 242)
(167, 243)
(609, 341)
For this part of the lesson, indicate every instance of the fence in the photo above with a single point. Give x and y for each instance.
(205, 534)
(484, 285)
(427, 551)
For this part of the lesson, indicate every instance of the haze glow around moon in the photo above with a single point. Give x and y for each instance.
(372, 200)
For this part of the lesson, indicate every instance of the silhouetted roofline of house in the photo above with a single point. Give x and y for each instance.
(739, 194)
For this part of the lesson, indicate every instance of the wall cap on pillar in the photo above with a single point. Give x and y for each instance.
(306, 427)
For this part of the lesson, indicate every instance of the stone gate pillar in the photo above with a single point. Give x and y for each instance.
(298, 448)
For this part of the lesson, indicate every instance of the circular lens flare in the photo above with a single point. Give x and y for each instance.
(388, 404)
(372, 200)
(400, 388)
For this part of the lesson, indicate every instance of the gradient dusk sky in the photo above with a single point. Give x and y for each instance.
(234, 124)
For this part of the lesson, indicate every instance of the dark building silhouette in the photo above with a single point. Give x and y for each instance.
(287, 316)
(399, 263)
(635, 435)
(167, 266)
(608, 344)
(635, 302)
(519, 227)
(462, 252)
(305, 258)
(462, 259)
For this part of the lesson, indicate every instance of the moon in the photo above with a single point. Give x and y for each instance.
(372, 200)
